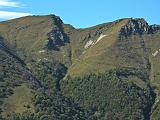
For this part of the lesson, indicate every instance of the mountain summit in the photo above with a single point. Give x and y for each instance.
(53, 71)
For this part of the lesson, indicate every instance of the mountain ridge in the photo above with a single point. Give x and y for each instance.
(77, 73)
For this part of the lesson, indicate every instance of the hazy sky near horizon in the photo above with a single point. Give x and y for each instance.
(83, 13)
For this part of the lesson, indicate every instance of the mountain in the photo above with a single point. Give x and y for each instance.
(53, 71)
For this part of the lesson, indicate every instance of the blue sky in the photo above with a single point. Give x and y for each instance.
(83, 13)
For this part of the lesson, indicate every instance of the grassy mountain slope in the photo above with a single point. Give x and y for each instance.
(26, 33)
(108, 71)
(111, 51)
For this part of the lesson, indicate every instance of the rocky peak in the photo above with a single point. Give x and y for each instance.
(134, 26)
(56, 20)
(57, 36)
(138, 26)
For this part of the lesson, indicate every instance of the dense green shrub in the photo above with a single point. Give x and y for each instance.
(111, 95)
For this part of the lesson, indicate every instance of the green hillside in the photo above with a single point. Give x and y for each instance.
(50, 70)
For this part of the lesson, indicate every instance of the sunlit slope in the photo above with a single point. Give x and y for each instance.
(112, 50)
(28, 33)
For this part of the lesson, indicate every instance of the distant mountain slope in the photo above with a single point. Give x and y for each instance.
(109, 71)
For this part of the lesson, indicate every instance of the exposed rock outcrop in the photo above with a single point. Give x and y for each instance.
(57, 37)
(138, 26)
(153, 29)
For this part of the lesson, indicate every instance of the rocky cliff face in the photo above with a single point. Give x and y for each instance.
(138, 26)
(57, 37)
